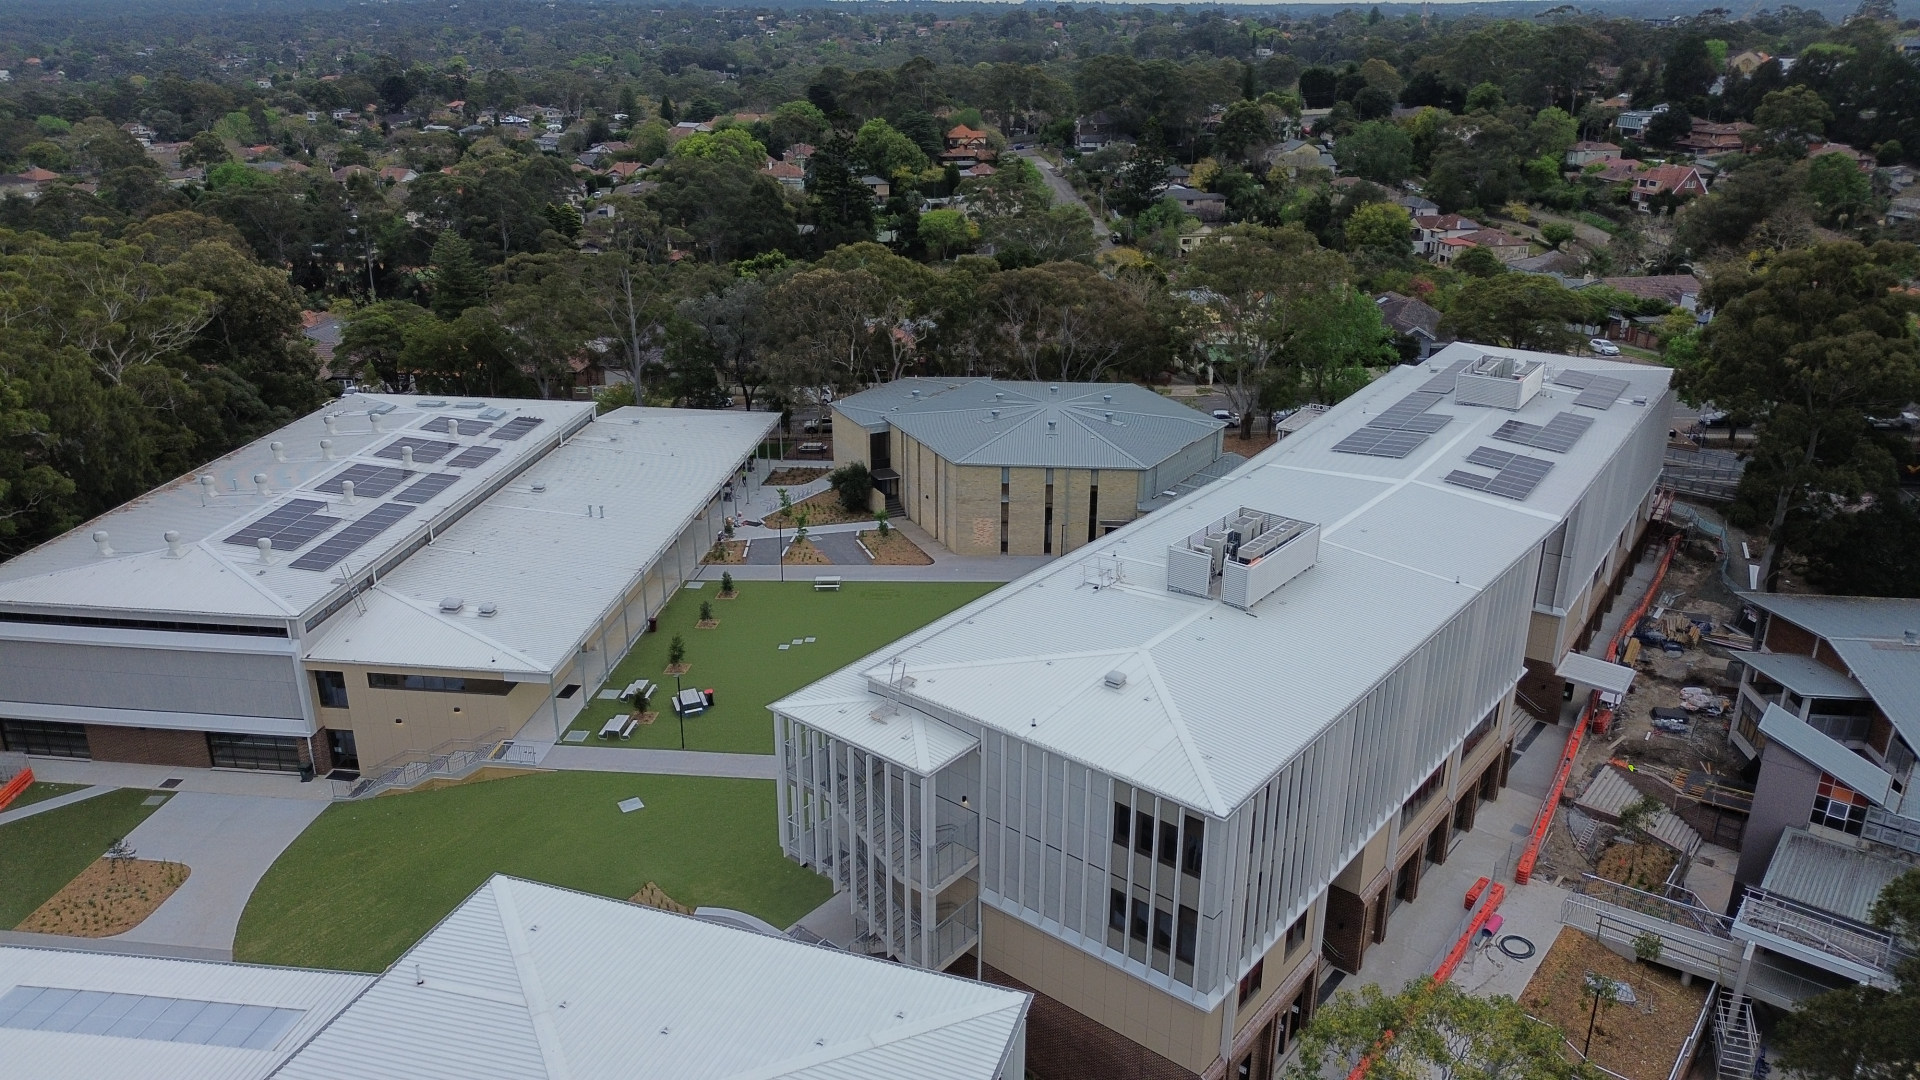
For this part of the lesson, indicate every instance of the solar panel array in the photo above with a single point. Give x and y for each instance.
(372, 481)
(289, 526)
(1515, 479)
(516, 428)
(425, 451)
(1602, 392)
(1443, 382)
(425, 488)
(143, 1016)
(454, 425)
(471, 456)
(1398, 430)
(353, 537)
(1559, 434)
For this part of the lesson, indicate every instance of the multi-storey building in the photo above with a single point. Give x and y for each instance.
(1158, 780)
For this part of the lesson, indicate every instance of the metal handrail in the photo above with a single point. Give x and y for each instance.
(1810, 926)
(444, 759)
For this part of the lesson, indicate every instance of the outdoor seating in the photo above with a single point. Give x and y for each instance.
(825, 583)
(626, 731)
(612, 727)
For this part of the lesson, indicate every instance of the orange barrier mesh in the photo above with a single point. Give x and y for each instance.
(12, 789)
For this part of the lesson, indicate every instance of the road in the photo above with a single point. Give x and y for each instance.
(1063, 192)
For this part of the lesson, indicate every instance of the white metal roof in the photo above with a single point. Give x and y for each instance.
(1218, 700)
(525, 980)
(553, 561)
(74, 1055)
(1615, 679)
(211, 578)
(1031, 424)
(1831, 876)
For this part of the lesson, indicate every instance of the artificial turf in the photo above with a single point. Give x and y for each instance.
(741, 659)
(41, 853)
(368, 878)
(39, 791)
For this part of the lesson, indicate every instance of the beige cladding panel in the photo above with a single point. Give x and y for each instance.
(426, 718)
(1368, 864)
(849, 442)
(1101, 992)
(1027, 490)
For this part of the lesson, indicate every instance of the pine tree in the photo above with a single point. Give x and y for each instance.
(459, 280)
(667, 113)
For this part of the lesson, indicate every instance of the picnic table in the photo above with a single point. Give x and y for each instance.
(689, 702)
(612, 727)
(638, 691)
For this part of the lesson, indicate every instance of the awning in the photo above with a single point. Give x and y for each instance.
(1592, 671)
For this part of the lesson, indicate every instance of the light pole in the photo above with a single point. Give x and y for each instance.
(780, 549)
(680, 711)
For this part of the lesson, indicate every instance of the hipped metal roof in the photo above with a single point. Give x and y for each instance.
(1868, 634)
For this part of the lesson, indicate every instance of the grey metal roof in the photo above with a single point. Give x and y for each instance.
(1611, 793)
(1830, 875)
(1038, 425)
(1804, 675)
(1781, 726)
(1218, 469)
(1868, 633)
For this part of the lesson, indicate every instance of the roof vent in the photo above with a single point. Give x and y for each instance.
(332, 422)
(452, 605)
(1109, 416)
(206, 486)
(373, 421)
(1054, 389)
(999, 395)
(326, 449)
(101, 544)
(381, 408)
(994, 413)
(279, 450)
(489, 610)
(431, 403)
(539, 486)
(1116, 678)
(1912, 637)
(346, 492)
(265, 544)
(916, 394)
(175, 549)
(1052, 425)
(1108, 398)
(260, 485)
(406, 456)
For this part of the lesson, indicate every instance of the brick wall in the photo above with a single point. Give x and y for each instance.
(321, 756)
(149, 746)
(1064, 1045)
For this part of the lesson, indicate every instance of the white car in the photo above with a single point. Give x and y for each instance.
(1226, 417)
(1602, 347)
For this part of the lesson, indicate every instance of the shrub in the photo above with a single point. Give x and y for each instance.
(1647, 947)
(854, 484)
(677, 650)
(726, 581)
(880, 520)
(706, 611)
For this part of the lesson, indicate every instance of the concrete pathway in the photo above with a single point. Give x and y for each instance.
(832, 921)
(665, 762)
(228, 842)
(109, 945)
(211, 781)
(54, 803)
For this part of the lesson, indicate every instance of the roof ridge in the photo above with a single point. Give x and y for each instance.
(960, 1014)
(539, 1011)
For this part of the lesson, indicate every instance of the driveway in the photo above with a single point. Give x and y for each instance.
(1064, 194)
(228, 842)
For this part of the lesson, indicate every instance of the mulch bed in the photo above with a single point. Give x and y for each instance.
(725, 552)
(894, 549)
(821, 509)
(803, 553)
(707, 624)
(1638, 1040)
(1641, 866)
(109, 897)
(794, 477)
(678, 669)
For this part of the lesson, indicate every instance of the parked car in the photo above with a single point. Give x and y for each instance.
(1712, 415)
(814, 426)
(1602, 347)
(1226, 417)
(1906, 421)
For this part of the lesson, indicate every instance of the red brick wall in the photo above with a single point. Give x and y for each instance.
(149, 746)
(1065, 1045)
(1784, 637)
(321, 757)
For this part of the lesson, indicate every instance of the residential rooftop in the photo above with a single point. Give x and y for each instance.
(1870, 636)
(1033, 424)
(1215, 700)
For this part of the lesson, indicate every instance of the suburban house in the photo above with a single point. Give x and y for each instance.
(1205, 205)
(1708, 138)
(521, 980)
(1097, 131)
(1297, 156)
(1022, 468)
(1414, 322)
(787, 173)
(1678, 180)
(1632, 124)
(362, 585)
(1505, 246)
(1582, 154)
(1430, 229)
(1106, 785)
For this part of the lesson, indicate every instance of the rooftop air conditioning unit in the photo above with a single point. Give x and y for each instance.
(1244, 557)
(1499, 381)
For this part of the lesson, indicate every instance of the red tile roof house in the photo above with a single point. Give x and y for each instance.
(1664, 179)
(787, 173)
(1430, 229)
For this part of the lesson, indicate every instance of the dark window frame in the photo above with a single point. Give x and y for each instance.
(331, 688)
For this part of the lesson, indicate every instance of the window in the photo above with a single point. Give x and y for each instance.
(568, 691)
(1839, 807)
(332, 688)
(1188, 933)
(1192, 845)
(446, 684)
(1139, 922)
(266, 753)
(1117, 910)
(1479, 732)
(1093, 507)
(1297, 933)
(1162, 929)
(1423, 795)
(1046, 529)
(1250, 983)
(1143, 832)
(1169, 842)
(1006, 497)
(1122, 818)
(44, 738)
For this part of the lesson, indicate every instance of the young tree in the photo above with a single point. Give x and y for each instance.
(1432, 1032)
(1809, 342)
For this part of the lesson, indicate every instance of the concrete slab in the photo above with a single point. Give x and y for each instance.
(667, 762)
(832, 920)
(276, 785)
(1710, 876)
(228, 842)
(54, 803)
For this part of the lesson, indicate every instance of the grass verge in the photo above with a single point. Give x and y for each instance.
(40, 791)
(40, 854)
(367, 879)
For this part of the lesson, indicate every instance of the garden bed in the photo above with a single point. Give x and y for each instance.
(821, 509)
(894, 549)
(110, 897)
(1639, 866)
(727, 552)
(803, 553)
(1642, 1039)
(793, 477)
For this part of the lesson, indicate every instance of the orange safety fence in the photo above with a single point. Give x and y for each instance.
(11, 789)
(1495, 893)
(1594, 716)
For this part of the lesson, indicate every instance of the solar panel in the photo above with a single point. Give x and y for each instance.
(454, 425)
(425, 488)
(1602, 392)
(1489, 457)
(472, 455)
(516, 428)
(1443, 382)
(352, 538)
(1515, 479)
(1381, 442)
(1576, 379)
(425, 451)
(1399, 428)
(289, 526)
(372, 481)
(1559, 434)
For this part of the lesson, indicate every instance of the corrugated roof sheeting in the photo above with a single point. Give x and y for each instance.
(1843, 764)
(1804, 675)
(1879, 618)
(1890, 672)
(59, 1055)
(1829, 875)
(1611, 793)
(527, 980)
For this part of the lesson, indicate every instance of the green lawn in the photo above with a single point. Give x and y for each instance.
(40, 854)
(741, 660)
(37, 792)
(367, 879)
